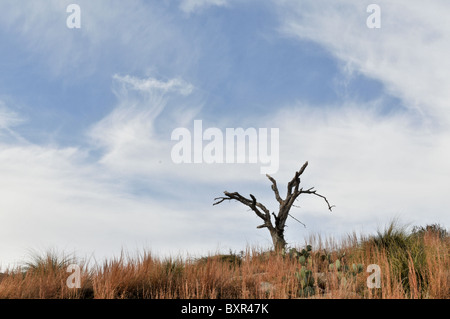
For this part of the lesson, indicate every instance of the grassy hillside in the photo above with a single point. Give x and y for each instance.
(413, 264)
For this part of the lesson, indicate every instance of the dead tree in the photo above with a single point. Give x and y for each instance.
(293, 191)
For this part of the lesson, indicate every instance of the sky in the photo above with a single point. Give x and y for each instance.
(87, 116)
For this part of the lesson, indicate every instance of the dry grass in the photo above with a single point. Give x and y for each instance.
(413, 265)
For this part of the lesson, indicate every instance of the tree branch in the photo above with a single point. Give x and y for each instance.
(253, 204)
(295, 181)
(275, 189)
(314, 192)
(297, 220)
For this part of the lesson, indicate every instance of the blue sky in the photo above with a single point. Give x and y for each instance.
(86, 117)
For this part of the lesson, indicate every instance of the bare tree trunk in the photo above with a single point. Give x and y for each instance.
(293, 191)
(279, 243)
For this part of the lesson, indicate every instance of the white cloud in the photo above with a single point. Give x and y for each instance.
(190, 6)
(408, 54)
(8, 121)
(135, 136)
(150, 84)
(8, 118)
(132, 35)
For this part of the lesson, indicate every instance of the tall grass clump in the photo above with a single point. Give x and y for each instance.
(44, 276)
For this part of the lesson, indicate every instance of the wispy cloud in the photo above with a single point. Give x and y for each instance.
(151, 84)
(190, 6)
(135, 136)
(132, 35)
(8, 118)
(408, 54)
